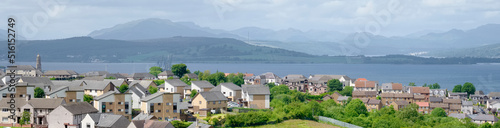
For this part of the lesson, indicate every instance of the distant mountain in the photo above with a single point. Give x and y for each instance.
(184, 49)
(312, 42)
(487, 51)
(156, 28)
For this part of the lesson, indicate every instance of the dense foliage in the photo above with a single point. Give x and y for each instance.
(123, 88)
(334, 85)
(155, 70)
(159, 82)
(180, 124)
(39, 93)
(457, 88)
(291, 104)
(179, 69)
(88, 98)
(467, 87)
(152, 90)
(193, 93)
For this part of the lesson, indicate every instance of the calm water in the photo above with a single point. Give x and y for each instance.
(485, 77)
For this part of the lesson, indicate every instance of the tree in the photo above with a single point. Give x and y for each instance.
(270, 85)
(217, 78)
(438, 112)
(39, 93)
(355, 108)
(434, 86)
(469, 88)
(379, 98)
(412, 84)
(155, 70)
(457, 88)
(193, 93)
(159, 82)
(334, 85)
(485, 125)
(410, 112)
(179, 69)
(25, 118)
(169, 78)
(236, 78)
(186, 80)
(347, 91)
(88, 98)
(180, 124)
(123, 88)
(152, 89)
(496, 125)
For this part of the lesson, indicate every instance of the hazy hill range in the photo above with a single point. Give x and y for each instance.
(311, 42)
(489, 51)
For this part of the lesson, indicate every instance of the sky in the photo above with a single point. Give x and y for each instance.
(56, 19)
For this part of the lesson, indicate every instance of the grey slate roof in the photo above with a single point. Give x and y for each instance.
(57, 89)
(45, 103)
(138, 90)
(97, 85)
(175, 82)
(343, 98)
(99, 78)
(80, 108)
(113, 121)
(231, 86)
(212, 96)
(256, 89)
(59, 72)
(200, 125)
(24, 67)
(192, 75)
(117, 83)
(494, 94)
(435, 99)
(483, 117)
(143, 116)
(19, 102)
(152, 96)
(105, 95)
(36, 80)
(138, 123)
(166, 73)
(142, 75)
(202, 84)
(467, 103)
(158, 124)
(96, 73)
(458, 115)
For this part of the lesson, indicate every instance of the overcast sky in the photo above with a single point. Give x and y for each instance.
(80, 17)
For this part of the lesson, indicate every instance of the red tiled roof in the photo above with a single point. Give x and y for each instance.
(423, 90)
(361, 79)
(397, 86)
(422, 104)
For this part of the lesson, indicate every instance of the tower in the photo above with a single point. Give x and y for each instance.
(38, 63)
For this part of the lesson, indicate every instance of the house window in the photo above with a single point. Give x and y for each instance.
(219, 102)
(230, 93)
(5, 110)
(5, 119)
(214, 102)
(40, 111)
(175, 107)
(200, 102)
(119, 102)
(168, 111)
(88, 125)
(110, 103)
(159, 103)
(4, 95)
(224, 92)
(159, 118)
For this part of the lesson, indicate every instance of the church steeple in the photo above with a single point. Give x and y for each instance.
(38, 63)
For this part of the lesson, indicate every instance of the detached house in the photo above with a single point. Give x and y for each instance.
(114, 102)
(69, 115)
(256, 96)
(165, 75)
(296, 82)
(6, 110)
(201, 86)
(231, 91)
(138, 92)
(40, 108)
(173, 86)
(25, 70)
(467, 107)
(373, 104)
(211, 101)
(164, 106)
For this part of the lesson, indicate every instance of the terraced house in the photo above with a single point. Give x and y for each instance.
(392, 88)
(164, 106)
(60, 74)
(97, 88)
(40, 108)
(114, 102)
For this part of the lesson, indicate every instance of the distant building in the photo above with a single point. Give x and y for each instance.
(69, 115)
(229, 90)
(60, 74)
(104, 120)
(256, 96)
(211, 101)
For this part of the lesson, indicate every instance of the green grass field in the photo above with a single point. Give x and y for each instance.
(298, 124)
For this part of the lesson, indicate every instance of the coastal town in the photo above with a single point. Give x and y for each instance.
(166, 99)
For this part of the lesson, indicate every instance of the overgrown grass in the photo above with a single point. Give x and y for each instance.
(296, 123)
